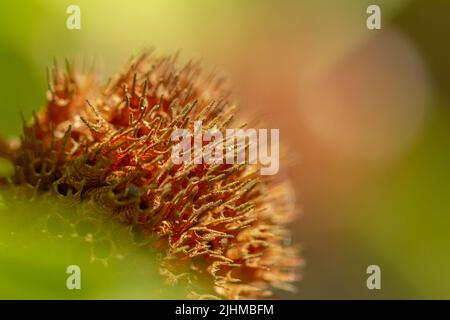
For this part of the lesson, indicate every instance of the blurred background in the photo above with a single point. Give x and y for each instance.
(365, 114)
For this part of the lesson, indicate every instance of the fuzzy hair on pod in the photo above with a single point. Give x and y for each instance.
(223, 224)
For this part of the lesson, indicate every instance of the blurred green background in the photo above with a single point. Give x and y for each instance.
(365, 114)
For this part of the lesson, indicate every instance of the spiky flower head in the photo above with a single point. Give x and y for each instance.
(111, 145)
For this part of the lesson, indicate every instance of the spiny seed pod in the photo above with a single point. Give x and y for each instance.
(112, 145)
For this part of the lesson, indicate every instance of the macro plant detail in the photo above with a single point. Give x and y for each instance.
(109, 147)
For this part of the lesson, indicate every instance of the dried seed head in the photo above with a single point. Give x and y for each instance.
(111, 146)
